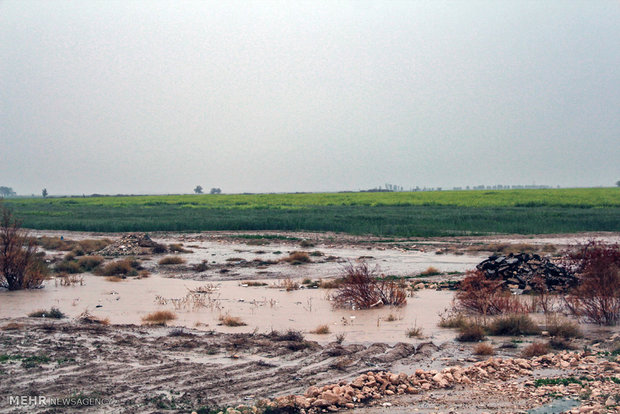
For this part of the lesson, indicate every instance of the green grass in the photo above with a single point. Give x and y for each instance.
(396, 214)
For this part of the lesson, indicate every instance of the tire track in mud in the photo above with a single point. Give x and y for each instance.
(145, 369)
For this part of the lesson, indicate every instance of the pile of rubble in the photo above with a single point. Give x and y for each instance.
(526, 271)
(132, 244)
(376, 385)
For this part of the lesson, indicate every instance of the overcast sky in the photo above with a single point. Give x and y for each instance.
(160, 96)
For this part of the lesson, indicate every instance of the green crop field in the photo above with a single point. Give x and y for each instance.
(400, 214)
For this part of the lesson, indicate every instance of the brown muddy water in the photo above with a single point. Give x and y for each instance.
(261, 308)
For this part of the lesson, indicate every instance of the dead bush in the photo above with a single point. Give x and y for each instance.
(361, 289)
(597, 297)
(296, 258)
(89, 263)
(178, 248)
(414, 332)
(159, 318)
(20, 267)
(430, 271)
(563, 328)
(87, 318)
(171, 260)
(287, 284)
(513, 325)
(71, 267)
(535, 349)
(484, 349)
(125, 267)
(228, 320)
(487, 297)
(471, 333)
(321, 330)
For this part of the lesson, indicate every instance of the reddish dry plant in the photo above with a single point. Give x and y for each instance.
(19, 266)
(597, 297)
(361, 289)
(481, 295)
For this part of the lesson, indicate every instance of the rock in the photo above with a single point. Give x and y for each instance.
(330, 397)
(320, 403)
(312, 392)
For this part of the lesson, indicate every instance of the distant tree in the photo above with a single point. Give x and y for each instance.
(216, 191)
(6, 191)
(618, 183)
(44, 192)
(198, 189)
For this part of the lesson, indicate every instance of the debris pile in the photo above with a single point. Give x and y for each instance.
(132, 244)
(527, 271)
(376, 385)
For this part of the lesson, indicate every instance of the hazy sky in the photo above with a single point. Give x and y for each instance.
(160, 96)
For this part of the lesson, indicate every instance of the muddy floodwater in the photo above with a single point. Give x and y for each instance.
(261, 308)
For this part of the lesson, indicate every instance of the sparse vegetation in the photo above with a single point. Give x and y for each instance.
(171, 260)
(159, 318)
(53, 313)
(178, 248)
(287, 284)
(89, 263)
(564, 328)
(361, 289)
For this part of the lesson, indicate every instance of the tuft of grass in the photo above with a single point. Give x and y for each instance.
(415, 332)
(535, 349)
(113, 278)
(228, 320)
(159, 318)
(484, 349)
(53, 313)
(513, 325)
(321, 330)
(171, 260)
(391, 318)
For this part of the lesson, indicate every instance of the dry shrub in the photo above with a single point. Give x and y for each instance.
(330, 283)
(89, 263)
(87, 318)
(321, 330)
(178, 248)
(563, 328)
(171, 260)
(535, 349)
(228, 320)
(288, 284)
(53, 313)
(484, 349)
(597, 297)
(159, 318)
(71, 267)
(93, 245)
(297, 258)
(415, 332)
(20, 267)
(69, 280)
(471, 333)
(113, 278)
(454, 320)
(120, 267)
(290, 335)
(513, 325)
(12, 326)
(481, 295)
(430, 271)
(360, 289)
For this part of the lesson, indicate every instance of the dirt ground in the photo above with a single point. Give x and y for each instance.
(197, 364)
